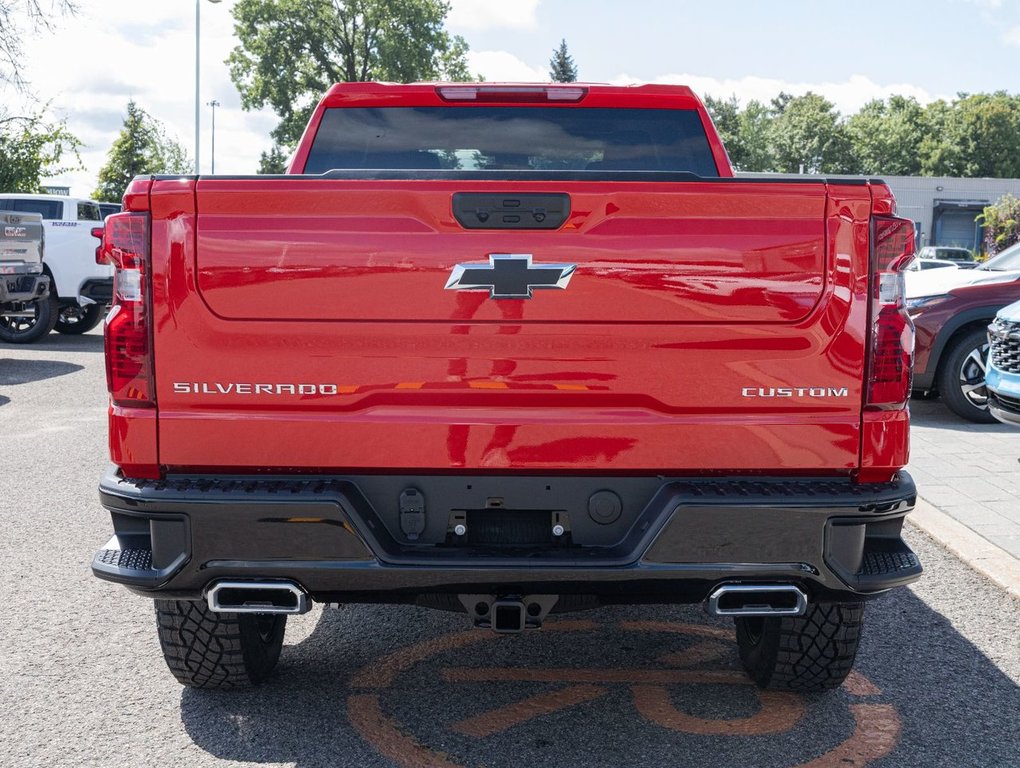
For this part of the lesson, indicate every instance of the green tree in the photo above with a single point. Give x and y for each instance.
(143, 147)
(33, 149)
(941, 149)
(744, 132)
(1002, 224)
(808, 133)
(990, 128)
(754, 130)
(273, 161)
(291, 51)
(976, 135)
(726, 117)
(886, 136)
(561, 66)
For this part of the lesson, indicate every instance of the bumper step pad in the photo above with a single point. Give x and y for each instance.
(126, 559)
(887, 561)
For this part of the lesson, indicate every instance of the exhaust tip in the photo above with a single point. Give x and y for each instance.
(757, 600)
(257, 597)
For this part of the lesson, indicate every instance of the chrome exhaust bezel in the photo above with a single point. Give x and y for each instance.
(301, 601)
(798, 609)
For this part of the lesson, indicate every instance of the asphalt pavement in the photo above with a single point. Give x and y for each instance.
(82, 681)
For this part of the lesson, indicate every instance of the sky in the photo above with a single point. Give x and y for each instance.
(116, 50)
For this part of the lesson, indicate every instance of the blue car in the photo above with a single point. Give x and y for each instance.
(1003, 375)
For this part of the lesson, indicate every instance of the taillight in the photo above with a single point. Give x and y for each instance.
(891, 343)
(101, 257)
(128, 329)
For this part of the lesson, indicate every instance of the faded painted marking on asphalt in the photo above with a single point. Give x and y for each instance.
(677, 627)
(519, 712)
(876, 732)
(696, 654)
(570, 675)
(859, 685)
(381, 732)
(779, 713)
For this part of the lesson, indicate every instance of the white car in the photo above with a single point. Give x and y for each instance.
(82, 289)
(1002, 267)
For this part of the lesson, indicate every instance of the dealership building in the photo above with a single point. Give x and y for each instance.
(943, 208)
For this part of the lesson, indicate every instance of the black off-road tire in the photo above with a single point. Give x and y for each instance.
(813, 652)
(17, 331)
(218, 650)
(963, 365)
(75, 321)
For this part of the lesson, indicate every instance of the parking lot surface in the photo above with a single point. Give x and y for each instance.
(969, 471)
(83, 683)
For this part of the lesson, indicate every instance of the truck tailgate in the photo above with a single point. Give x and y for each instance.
(306, 324)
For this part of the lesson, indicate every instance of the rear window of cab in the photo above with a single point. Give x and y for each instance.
(511, 139)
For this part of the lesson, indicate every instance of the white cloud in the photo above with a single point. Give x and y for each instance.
(848, 96)
(501, 66)
(1012, 36)
(492, 14)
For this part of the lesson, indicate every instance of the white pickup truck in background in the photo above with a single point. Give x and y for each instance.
(80, 287)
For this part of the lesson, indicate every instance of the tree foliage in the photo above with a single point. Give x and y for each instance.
(807, 135)
(291, 51)
(1002, 224)
(561, 66)
(972, 136)
(886, 136)
(143, 147)
(273, 161)
(32, 149)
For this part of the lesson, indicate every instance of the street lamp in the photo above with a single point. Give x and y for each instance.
(198, 101)
(213, 104)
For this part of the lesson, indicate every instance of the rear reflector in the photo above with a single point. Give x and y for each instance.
(128, 331)
(891, 343)
(511, 94)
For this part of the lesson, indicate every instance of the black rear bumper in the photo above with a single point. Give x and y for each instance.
(16, 288)
(345, 540)
(99, 289)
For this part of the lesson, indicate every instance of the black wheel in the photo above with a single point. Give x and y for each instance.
(28, 321)
(962, 377)
(813, 652)
(74, 320)
(218, 650)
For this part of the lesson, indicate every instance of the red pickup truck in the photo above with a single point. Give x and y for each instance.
(511, 351)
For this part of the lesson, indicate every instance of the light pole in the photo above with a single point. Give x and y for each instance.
(198, 83)
(214, 104)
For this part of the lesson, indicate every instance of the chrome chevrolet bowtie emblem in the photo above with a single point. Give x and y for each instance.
(509, 276)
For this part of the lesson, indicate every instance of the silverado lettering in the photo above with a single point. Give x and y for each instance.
(505, 456)
(218, 388)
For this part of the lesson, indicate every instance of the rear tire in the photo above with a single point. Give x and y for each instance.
(962, 377)
(74, 320)
(813, 652)
(19, 330)
(218, 650)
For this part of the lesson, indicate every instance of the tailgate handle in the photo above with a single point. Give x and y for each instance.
(502, 210)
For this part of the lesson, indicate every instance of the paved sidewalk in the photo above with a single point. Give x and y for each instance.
(969, 471)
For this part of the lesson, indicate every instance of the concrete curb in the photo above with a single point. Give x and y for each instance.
(975, 550)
